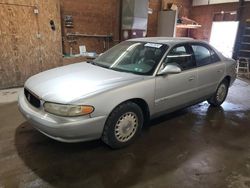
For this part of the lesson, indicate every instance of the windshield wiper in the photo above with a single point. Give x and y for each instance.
(91, 62)
(97, 64)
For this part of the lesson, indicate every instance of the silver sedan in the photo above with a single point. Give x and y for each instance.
(113, 96)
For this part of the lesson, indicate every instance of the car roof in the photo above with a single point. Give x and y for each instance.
(166, 40)
(172, 41)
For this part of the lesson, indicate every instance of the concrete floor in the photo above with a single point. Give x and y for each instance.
(195, 147)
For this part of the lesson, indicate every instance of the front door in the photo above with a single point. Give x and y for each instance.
(174, 90)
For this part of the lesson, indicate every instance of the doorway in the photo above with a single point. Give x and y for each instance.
(223, 36)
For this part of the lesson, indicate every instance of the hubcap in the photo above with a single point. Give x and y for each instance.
(221, 93)
(126, 126)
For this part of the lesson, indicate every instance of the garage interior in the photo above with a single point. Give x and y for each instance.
(199, 146)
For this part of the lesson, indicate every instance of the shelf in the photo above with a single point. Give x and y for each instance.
(87, 35)
(246, 35)
(187, 26)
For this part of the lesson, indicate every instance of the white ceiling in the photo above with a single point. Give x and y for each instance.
(207, 2)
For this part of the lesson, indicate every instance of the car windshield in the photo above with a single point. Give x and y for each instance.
(134, 57)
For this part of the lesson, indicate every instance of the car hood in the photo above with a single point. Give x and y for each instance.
(76, 81)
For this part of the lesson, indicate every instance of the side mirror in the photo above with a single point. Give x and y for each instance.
(170, 69)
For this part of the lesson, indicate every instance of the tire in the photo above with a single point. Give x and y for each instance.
(123, 125)
(220, 95)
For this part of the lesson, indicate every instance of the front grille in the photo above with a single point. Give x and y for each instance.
(33, 100)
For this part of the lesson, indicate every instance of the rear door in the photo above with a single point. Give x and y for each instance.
(174, 90)
(210, 69)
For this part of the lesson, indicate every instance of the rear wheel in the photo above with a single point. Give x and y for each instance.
(123, 125)
(220, 95)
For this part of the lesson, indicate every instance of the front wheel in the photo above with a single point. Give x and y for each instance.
(123, 125)
(220, 95)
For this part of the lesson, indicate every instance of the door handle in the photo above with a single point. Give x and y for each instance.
(219, 71)
(191, 78)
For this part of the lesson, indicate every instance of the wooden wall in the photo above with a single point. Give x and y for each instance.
(27, 43)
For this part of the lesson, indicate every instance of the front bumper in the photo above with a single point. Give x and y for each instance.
(64, 129)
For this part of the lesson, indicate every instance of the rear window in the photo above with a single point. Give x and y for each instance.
(202, 55)
(214, 57)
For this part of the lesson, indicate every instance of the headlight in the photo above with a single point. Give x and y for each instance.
(68, 110)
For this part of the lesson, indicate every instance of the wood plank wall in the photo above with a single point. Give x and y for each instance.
(28, 45)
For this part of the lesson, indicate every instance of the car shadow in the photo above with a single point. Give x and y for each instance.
(93, 164)
(163, 147)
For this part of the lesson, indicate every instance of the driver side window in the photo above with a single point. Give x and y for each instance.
(180, 56)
